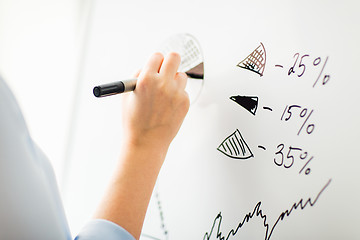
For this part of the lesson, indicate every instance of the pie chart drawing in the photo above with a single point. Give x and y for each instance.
(234, 146)
(192, 61)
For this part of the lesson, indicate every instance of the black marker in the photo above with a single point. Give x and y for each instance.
(115, 88)
(126, 86)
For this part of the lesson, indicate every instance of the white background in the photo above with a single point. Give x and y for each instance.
(197, 181)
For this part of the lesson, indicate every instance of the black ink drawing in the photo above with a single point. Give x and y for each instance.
(258, 212)
(308, 170)
(255, 61)
(302, 65)
(196, 72)
(145, 236)
(262, 147)
(268, 108)
(234, 146)
(303, 113)
(249, 103)
(326, 77)
(164, 230)
(163, 226)
(288, 158)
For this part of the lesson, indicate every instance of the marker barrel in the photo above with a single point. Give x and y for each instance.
(114, 88)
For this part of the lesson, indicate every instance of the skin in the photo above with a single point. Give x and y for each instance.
(153, 115)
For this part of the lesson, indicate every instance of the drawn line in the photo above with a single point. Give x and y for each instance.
(284, 112)
(321, 72)
(242, 147)
(267, 108)
(262, 147)
(281, 66)
(151, 237)
(162, 219)
(306, 165)
(250, 103)
(258, 212)
(305, 122)
(232, 145)
(255, 61)
(228, 148)
(233, 150)
(240, 144)
(237, 149)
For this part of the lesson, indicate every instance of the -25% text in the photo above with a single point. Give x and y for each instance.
(301, 64)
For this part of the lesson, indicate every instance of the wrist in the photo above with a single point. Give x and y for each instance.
(147, 141)
(145, 151)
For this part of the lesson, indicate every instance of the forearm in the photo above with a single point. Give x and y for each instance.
(153, 114)
(131, 186)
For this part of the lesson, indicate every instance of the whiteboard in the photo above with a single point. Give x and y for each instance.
(268, 150)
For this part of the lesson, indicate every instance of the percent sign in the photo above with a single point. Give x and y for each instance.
(300, 67)
(308, 170)
(287, 158)
(303, 114)
(326, 77)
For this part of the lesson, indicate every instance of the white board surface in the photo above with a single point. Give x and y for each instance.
(300, 176)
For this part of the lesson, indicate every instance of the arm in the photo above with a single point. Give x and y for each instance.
(153, 114)
(30, 205)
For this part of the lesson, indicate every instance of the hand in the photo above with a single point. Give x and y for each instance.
(152, 116)
(154, 112)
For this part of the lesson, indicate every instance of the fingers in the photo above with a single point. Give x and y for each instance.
(170, 65)
(137, 73)
(154, 63)
(181, 80)
(166, 69)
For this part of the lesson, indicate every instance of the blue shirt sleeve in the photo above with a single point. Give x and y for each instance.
(100, 229)
(30, 203)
